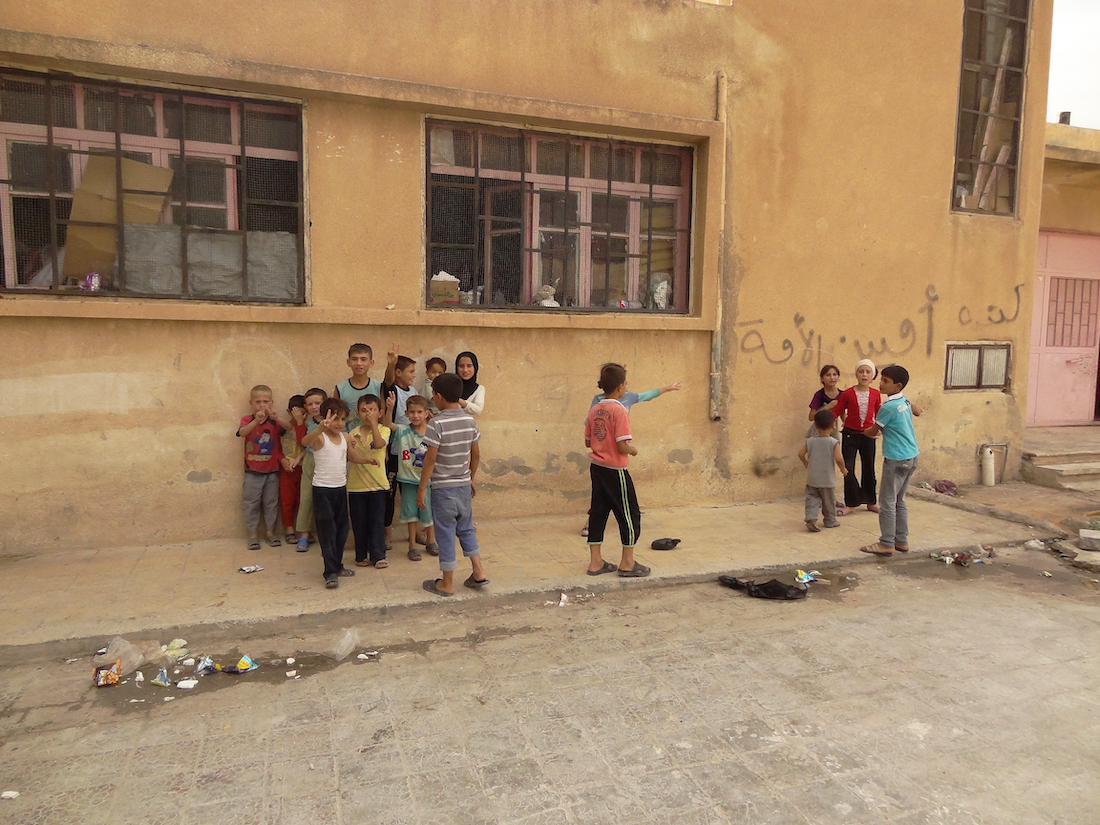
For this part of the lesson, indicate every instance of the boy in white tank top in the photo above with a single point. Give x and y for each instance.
(331, 454)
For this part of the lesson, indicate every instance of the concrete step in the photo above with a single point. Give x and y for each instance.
(1061, 475)
(1064, 457)
(1091, 487)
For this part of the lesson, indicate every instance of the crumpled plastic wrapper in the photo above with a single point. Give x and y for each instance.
(107, 674)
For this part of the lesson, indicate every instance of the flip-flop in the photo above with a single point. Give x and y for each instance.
(474, 583)
(273, 542)
(254, 544)
(875, 550)
(638, 571)
(431, 585)
(380, 564)
(608, 567)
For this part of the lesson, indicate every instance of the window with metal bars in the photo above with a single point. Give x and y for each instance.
(991, 96)
(518, 218)
(211, 191)
(977, 366)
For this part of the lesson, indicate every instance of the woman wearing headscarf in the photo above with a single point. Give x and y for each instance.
(473, 394)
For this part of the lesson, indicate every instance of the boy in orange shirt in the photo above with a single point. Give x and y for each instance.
(607, 435)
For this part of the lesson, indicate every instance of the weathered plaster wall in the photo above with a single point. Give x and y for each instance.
(823, 232)
(1071, 180)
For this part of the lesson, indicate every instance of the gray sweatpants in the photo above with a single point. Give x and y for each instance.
(893, 514)
(260, 494)
(821, 499)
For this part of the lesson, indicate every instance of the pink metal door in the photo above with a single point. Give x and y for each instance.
(1064, 340)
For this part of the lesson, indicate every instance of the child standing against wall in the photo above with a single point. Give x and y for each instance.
(821, 455)
(409, 447)
(360, 360)
(400, 375)
(261, 430)
(368, 487)
(899, 462)
(433, 368)
(315, 397)
(450, 464)
(290, 479)
(331, 454)
(857, 406)
(607, 435)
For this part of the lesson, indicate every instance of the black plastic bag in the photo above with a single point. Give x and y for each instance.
(773, 589)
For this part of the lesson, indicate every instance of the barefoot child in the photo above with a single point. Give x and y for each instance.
(331, 454)
(899, 462)
(857, 406)
(450, 464)
(607, 435)
(409, 447)
(821, 456)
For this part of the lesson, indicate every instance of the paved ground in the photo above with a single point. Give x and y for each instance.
(906, 691)
(95, 593)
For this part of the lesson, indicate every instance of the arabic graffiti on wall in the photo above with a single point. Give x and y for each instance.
(811, 343)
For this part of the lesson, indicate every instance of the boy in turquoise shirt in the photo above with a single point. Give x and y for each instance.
(899, 461)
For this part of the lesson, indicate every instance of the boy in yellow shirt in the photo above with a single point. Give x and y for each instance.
(369, 485)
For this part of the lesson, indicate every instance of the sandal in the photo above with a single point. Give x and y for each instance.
(332, 584)
(608, 567)
(273, 542)
(363, 563)
(303, 544)
(253, 544)
(876, 549)
(345, 573)
(380, 564)
(638, 571)
(474, 583)
(432, 586)
(290, 538)
(432, 549)
(902, 548)
(414, 555)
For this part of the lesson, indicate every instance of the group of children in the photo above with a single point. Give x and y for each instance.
(864, 415)
(342, 461)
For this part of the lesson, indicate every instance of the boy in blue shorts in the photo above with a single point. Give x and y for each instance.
(409, 448)
(450, 464)
(899, 461)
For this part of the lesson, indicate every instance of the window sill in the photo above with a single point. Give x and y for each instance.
(167, 310)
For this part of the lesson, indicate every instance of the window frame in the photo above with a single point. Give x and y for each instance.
(981, 347)
(534, 185)
(82, 142)
(985, 166)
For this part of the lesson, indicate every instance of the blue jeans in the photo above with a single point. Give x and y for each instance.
(893, 515)
(453, 514)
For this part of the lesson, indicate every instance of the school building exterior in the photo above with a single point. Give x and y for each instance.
(200, 197)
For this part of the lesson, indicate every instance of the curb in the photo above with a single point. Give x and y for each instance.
(986, 510)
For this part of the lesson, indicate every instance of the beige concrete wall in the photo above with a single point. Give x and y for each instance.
(823, 231)
(1071, 180)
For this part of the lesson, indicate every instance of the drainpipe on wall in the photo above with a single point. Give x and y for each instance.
(721, 104)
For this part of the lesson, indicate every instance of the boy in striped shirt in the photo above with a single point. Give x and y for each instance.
(449, 466)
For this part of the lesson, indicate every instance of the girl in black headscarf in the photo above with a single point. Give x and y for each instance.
(473, 394)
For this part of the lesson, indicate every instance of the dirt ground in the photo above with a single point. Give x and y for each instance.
(904, 690)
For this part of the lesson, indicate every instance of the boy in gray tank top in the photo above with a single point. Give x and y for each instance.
(821, 456)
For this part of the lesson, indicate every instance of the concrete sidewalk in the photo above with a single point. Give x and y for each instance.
(129, 590)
